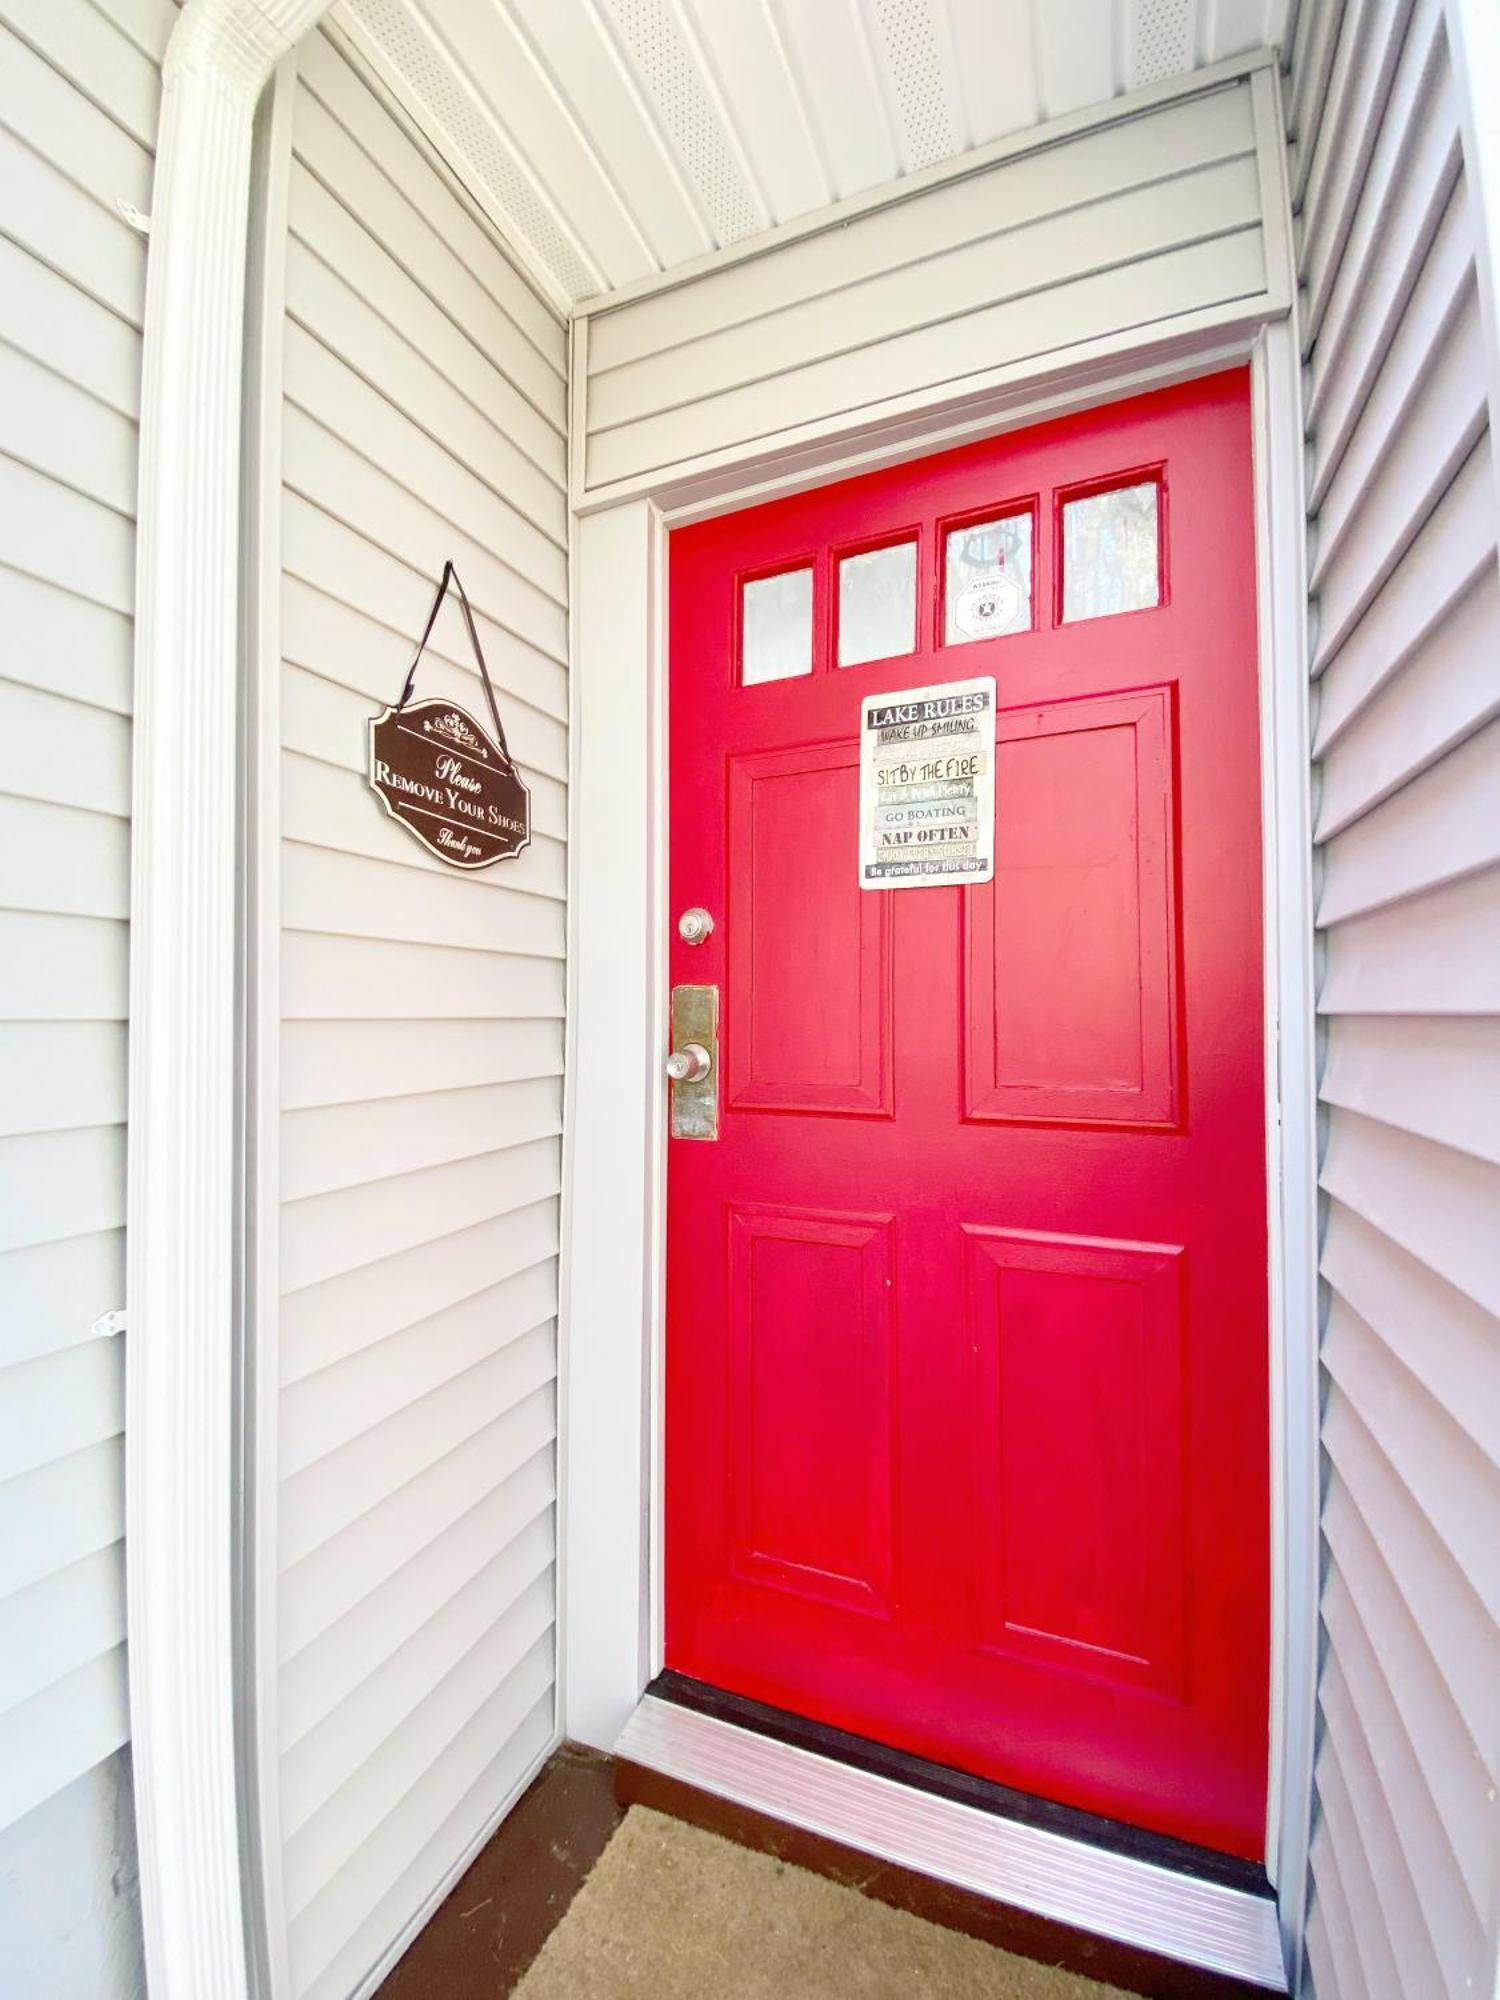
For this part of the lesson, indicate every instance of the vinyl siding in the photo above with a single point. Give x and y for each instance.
(1404, 641)
(1107, 234)
(420, 1046)
(79, 97)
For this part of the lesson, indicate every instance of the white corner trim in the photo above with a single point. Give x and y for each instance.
(259, 1650)
(183, 1188)
(1118, 1896)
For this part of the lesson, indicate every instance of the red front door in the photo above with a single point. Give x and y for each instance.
(966, 1346)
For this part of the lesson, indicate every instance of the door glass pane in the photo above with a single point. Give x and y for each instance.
(777, 643)
(987, 587)
(1111, 552)
(878, 604)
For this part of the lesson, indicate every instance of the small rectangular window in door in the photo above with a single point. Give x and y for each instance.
(877, 604)
(776, 627)
(1111, 551)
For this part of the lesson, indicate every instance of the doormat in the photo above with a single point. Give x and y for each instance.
(673, 1913)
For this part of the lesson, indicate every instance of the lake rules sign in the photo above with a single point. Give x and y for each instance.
(927, 786)
(451, 784)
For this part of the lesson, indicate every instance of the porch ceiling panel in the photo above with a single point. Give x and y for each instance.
(614, 139)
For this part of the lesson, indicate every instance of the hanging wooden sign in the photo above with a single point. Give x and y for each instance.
(452, 785)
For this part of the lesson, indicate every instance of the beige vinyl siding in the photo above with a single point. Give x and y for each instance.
(1139, 227)
(1405, 651)
(79, 96)
(421, 1042)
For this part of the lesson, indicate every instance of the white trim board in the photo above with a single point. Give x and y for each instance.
(1085, 382)
(1291, 1124)
(1116, 1896)
(614, 1157)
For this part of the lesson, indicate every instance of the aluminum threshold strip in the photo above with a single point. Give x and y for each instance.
(1112, 1895)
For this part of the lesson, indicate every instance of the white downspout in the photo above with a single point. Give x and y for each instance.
(180, 1510)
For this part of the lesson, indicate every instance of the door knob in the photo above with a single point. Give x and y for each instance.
(689, 1064)
(693, 1064)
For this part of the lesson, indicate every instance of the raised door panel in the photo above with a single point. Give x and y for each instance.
(812, 1421)
(1077, 1453)
(1071, 1010)
(809, 956)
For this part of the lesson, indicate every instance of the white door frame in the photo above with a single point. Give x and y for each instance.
(614, 1191)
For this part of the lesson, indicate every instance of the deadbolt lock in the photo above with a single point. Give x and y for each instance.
(693, 1065)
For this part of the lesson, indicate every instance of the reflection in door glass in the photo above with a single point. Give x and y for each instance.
(1111, 552)
(777, 627)
(878, 604)
(987, 589)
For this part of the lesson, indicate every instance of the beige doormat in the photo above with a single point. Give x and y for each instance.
(672, 1913)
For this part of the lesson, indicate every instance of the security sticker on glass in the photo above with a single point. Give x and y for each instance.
(927, 786)
(987, 607)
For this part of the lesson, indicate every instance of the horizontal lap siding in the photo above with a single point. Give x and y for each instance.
(421, 1042)
(1105, 233)
(1405, 647)
(79, 99)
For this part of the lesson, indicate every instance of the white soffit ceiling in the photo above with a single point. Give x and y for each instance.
(613, 139)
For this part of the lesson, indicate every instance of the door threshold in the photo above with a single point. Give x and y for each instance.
(1211, 1916)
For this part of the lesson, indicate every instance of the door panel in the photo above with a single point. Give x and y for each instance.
(966, 1398)
(1071, 995)
(1077, 1458)
(814, 968)
(810, 1404)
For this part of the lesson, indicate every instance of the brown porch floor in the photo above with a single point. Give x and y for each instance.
(512, 1898)
(672, 1911)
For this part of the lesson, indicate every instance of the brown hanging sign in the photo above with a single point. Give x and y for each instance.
(434, 768)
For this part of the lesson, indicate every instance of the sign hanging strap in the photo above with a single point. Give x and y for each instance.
(450, 575)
